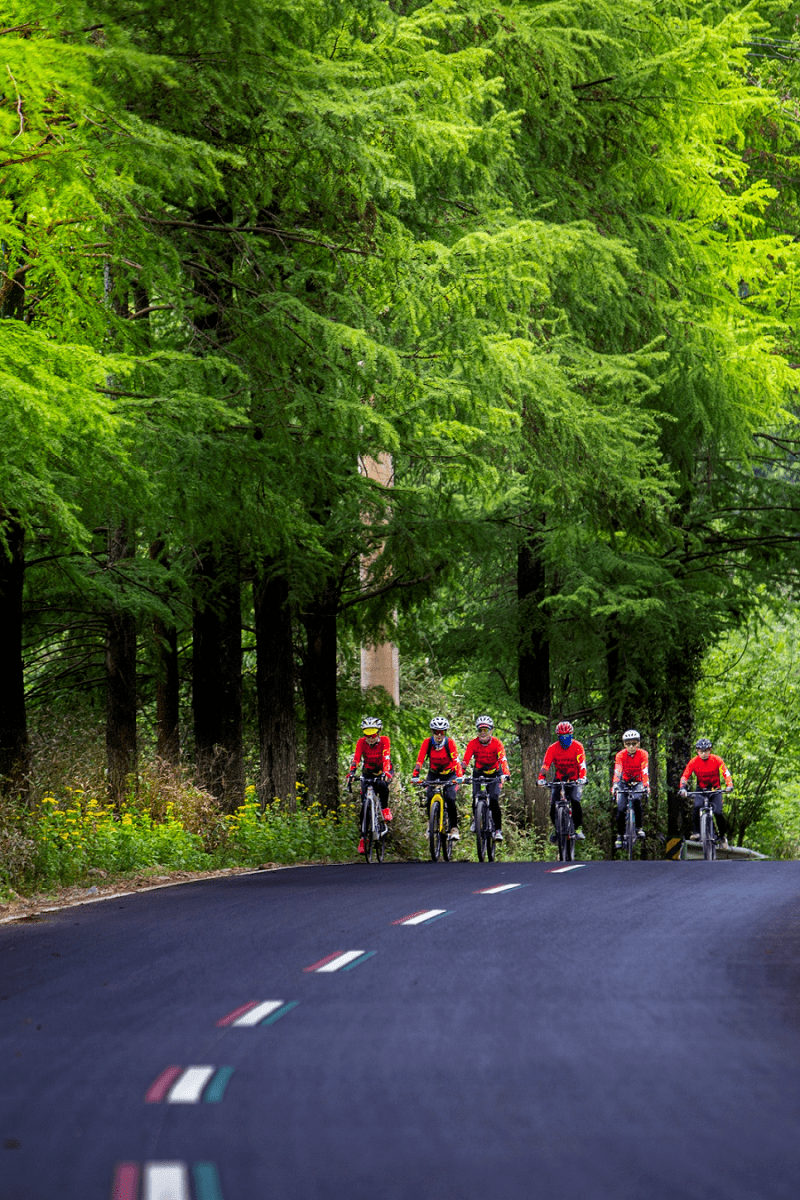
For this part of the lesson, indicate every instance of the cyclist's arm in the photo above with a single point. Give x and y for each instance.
(545, 767)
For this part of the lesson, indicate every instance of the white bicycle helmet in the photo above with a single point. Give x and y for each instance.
(484, 723)
(372, 723)
(439, 725)
(631, 735)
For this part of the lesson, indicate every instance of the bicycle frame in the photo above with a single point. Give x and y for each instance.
(564, 826)
(373, 827)
(708, 831)
(629, 837)
(484, 821)
(438, 838)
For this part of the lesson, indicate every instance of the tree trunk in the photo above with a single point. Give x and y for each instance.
(165, 635)
(275, 691)
(14, 746)
(321, 702)
(217, 680)
(534, 682)
(681, 681)
(121, 698)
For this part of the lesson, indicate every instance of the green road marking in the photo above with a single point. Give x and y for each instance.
(206, 1181)
(282, 1011)
(216, 1088)
(359, 961)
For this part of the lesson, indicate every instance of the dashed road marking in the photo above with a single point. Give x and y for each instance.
(502, 887)
(256, 1013)
(422, 917)
(189, 1087)
(185, 1085)
(560, 870)
(160, 1086)
(216, 1088)
(341, 959)
(232, 1017)
(206, 1181)
(126, 1181)
(166, 1181)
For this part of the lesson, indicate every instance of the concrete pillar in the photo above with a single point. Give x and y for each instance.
(380, 663)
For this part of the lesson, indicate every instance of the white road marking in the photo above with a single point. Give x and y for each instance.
(424, 916)
(503, 887)
(166, 1181)
(560, 870)
(265, 1009)
(188, 1087)
(341, 960)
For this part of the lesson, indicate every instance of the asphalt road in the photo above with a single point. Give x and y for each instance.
(621, 1030)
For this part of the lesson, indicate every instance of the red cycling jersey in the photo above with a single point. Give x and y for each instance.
(632, 768)
(707, 771)
(569, 763)
(488, 757)
(443, 759)
(376, 758)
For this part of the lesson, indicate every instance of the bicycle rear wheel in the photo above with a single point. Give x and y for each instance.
(480, 832)
(434, 830)
(369, 826)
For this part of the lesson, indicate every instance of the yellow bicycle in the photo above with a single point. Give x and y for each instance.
(439, 839)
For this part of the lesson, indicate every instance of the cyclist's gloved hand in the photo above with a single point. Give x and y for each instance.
(683, 793)
(415, 773)
(349, 782)
(729, 788)
(540, 781)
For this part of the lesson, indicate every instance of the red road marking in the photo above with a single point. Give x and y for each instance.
(410, 915)
(126, 1182)
(159, 1088)
(238, 1012)
(316, 966)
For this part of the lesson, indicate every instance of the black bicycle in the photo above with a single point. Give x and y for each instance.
(484, 821)
(373, 827)
(708, 831)
(439, 839)
(630, 838)
(565, 826)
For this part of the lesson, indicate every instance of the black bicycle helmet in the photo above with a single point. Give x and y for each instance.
(703, 744)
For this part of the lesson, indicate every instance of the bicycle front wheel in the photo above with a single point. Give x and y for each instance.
(480, 829)
(491, 844)
(369, 826)
(434, 830)
(707, 836)
(630, 832)
(570, 843)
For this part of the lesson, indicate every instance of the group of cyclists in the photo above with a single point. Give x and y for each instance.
(566, 758)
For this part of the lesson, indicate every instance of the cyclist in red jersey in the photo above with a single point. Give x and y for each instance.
(707, 768)
(443, 768)
(374, 750)
(490, 761)
(631, 774)
(568, 758)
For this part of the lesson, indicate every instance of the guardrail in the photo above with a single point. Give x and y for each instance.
(692, 850)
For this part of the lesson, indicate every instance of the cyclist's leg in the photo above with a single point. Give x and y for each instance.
(573, 794)
(719, 815)
(493, 792)
(449, 793)
(622, 804)
(638, 796)
(698, 801)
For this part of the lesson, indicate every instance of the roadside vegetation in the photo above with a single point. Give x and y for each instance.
(478, 337)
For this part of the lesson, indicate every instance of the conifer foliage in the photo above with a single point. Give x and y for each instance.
(541, 254)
